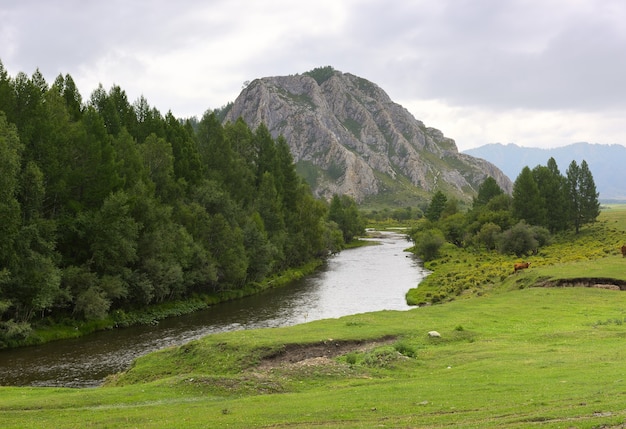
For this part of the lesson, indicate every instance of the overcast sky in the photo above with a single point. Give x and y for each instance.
(538, 73)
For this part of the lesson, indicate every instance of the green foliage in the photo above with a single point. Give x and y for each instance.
(461, 272)
(12, 332)
(321, 74)
(543, 202)
(488, 190)
(488, 235)
(427, 243)
(381, 358)
(584, 205)
(553, 192)
(436, 207)
(344, 212)
(108, 206)
(527, 201)
(518, 240)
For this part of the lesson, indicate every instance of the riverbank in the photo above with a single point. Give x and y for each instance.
(594, 252)
(366, 279)
(49, 330)
(526, 357)
(514, 356)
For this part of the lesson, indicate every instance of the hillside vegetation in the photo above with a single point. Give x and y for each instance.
(517, 356)
(108, 208)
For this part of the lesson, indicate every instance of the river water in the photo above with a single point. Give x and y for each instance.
(361, 280)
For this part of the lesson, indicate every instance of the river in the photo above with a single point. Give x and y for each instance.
(360, 280)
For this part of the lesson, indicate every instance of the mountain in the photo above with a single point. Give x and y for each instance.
(348, 137)
(606, 162)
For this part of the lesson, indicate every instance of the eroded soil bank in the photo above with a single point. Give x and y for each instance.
(297, 353)
(595, 282)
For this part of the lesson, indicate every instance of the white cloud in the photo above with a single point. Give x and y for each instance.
(533, 72)
(473, 127)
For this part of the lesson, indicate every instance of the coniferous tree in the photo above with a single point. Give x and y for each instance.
(108, 205)
(343, 211)
(583, 198)
(486, 191)
(556, 199)
(436, 207)
(528, 204)
(10, 160)
(551, 187)
(187, 164)
(7, 94)
(589, 196)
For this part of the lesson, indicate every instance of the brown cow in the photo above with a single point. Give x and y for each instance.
(624, 251)
(520, 266)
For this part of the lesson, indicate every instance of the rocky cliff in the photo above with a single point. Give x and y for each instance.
(348, 137)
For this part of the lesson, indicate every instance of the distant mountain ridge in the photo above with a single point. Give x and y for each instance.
(606, 162)
(348, 137)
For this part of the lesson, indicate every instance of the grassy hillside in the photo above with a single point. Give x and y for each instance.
(515, 357)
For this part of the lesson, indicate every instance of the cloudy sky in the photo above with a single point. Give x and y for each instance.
(538, 73)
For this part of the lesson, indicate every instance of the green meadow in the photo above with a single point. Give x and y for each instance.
(510, 354)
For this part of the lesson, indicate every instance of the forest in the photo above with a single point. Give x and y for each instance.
(108, 205)
(544, 202)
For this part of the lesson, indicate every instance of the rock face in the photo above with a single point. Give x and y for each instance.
(348, 137)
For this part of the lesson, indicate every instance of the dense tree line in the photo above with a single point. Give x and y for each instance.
(110, 205)
(543, 202)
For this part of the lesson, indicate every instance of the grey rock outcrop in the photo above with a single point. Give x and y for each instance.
(349, 137)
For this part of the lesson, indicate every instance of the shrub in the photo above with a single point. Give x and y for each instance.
(351, 358)
(428, 243)
(406, 349)
(380, 358)
(519, 240)
(488, 235)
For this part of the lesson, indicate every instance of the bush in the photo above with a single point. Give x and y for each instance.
(381, 358)
(542, 235)
(11, 331)
(428, 243)
(519, 240)
(488, 235)
(406, 349)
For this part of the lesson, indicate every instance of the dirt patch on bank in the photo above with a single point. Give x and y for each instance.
(318, 353)
(595, 282)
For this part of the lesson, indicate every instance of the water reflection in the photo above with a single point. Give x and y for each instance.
(355, 281)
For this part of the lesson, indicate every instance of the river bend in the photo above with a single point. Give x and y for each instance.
(360, 280)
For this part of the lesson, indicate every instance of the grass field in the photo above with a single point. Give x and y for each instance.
(513, 356)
